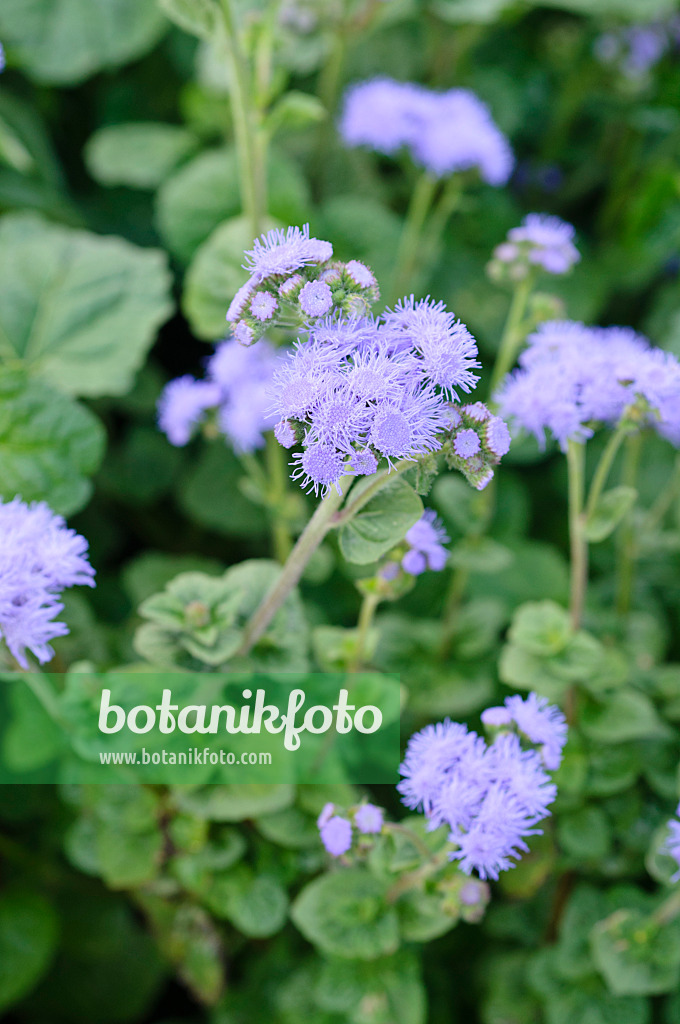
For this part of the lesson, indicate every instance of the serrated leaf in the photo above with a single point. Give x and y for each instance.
(65, 41)
(140, 155)
(78, 309)
(49, 444)
(381, 523)
(609, 510)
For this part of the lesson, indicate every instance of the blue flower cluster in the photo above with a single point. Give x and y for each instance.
(295, 281)
(39, 557)
(233, 398)
(491, 795)
(636, 49)
(336, 831)
(540, 241)
(363, 390)
(672, 844)
(444, 132)
(572, 378)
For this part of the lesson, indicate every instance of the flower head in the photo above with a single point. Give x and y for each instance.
(39, 557)
(316, 298)
(182, 405)
(547, 241)
(336, 835)
(426, 541)
(369, 818)
(281, 252)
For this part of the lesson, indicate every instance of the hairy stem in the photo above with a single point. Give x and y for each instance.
(409, 253)
(278, 486)
(577, 536)
(367, 612)
(513, 333)
(308, 541)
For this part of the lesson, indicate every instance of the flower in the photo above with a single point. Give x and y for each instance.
(39, 557)
(360, 274)
(316, 298)
(444, 132)
(545, 241)
(573, 378)
(491, 796)
(281, 252)
(369, 818)
(425, 540)
(466, 443)
(3, 59)
(182, 405)
(672, 844)
(318, 467)
(336, 835)
(542, 723)
(262, 305)
(636, 49)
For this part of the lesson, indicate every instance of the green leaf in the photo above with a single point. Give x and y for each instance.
(189, 937)
(541, 628)
(635, 956)
(609, 510)
(215, 275)
(28, 935)
(626, 714)
(31, 739)
(389, 989)
(49, 444)
(140, 155)
(381, 523)
(345, 914)
(481, 554)
(62, 42)
(295, 110)
(210, 494)
(290, 828)
(421, 917)
(585, 834)
(235, 803)
(80, 310)
(204, 193)
(198, 871)
(255, 904)
(199, 17)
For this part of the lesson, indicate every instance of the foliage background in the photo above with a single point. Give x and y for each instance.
(120, 247)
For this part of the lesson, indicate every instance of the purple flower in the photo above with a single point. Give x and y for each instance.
(547, 241)
(491, 797)
(263, 305)
(672, 844)
(281, 252)
(542, 723)
(466, 443)
(496, 717)
(3, 60)
(243, 376)
(39, 557)
(369, 818)
(182, 405)
(363, 463)
(284, 434)
(336, 835)
(497, 436)
(360, 274)
(318, 467)
(426, 541)
(316, 298)
(240, 301)
(291, 285)
(408, 427)
(444, 132)
(327, 813)
(572, 378)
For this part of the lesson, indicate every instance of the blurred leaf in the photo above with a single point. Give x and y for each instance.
(256, 905)
(214, 277)
(295, 110)
(49, 444)
(345, 915)
(635, 956)
(585, 834)
(199, 17)
(80, 310)
(62, 42)
(610, 509)
(28, 937)
(541, 628)
(235, 803)
(140, 155)
(210, 493)
(389, 989)
(625, 715)
(381, 523)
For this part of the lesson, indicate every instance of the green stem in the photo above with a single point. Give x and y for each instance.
(513, 333)
(278, 485)
(663, 503)
(44, 693)
(409, 253)
(577, 536)
(308, 541)
(367, 612)
(627, 546)
(249, 140)
(604, 466)
(454, 599)
(668, 911)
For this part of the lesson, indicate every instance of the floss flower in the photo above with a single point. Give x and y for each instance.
(444, 132)
(540, 241)
(294, 280)
(572, 378)
(426, 541)
(335, 829)
(636, 49)
(490, 795)
(39, 557)
(235, 393)
(672, 844)
(362, 391)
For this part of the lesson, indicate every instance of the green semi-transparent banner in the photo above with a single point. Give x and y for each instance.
(198, 728)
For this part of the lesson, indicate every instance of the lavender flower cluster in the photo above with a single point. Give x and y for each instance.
(233, 398)
(672, 844)
(572, 378)
(39, 557)
(490, 795)
(540, 241)
(364, 390)
(444, 132)
(293, 282)
(336, 829)
(636, 49)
